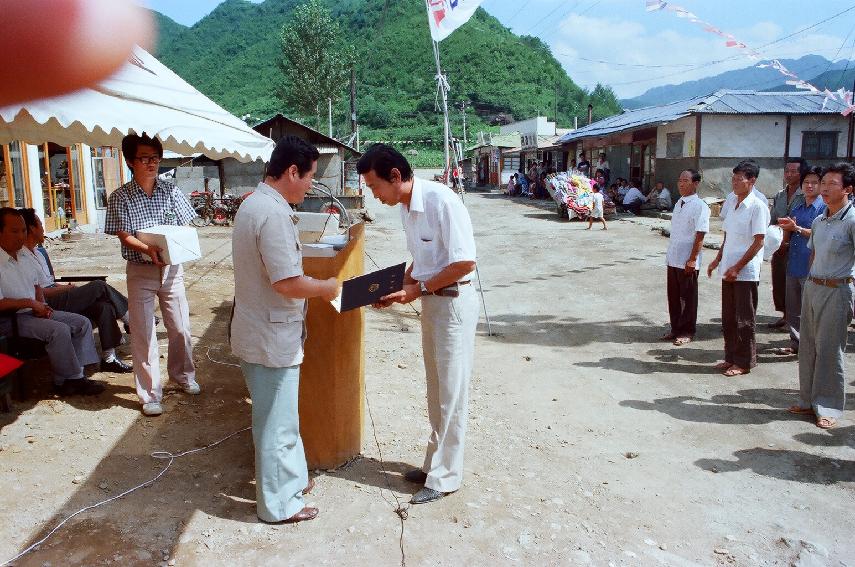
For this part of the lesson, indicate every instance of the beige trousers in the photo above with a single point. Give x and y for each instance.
(448, 345)
(145, 283)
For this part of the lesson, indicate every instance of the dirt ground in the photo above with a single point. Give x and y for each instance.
(590, 442)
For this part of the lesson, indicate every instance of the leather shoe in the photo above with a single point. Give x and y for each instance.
(779, 324)
(426, 495)
(417, 476)
(309, 487)
(79, 387)
(303, 515)
(116, 365)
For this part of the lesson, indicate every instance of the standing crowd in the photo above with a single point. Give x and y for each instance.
(812, 273)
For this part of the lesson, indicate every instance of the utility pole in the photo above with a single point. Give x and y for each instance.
(329, 114)
(556, 104)
(851, 124)
(352, 100)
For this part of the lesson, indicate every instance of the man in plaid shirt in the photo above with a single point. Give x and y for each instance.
(144, 202)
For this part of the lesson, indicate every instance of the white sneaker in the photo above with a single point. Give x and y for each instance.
(152, 409)
(192, 388)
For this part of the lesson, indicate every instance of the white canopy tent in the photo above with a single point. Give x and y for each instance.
(144, 96)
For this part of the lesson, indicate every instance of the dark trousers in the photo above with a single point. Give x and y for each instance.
(683, 301)
(100, 303)
(738, 319)
(779, 281)
(634, 207)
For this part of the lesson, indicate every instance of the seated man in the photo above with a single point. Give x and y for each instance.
(99, 302)
(663, 200)
(68, 336)
(633, 200)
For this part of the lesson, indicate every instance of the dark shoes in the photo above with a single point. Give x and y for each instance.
(779, 324)
(417, 476)
(426, 495)
(79, 387)
(116, 365)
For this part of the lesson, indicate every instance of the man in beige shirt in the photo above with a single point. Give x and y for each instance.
(268, 326)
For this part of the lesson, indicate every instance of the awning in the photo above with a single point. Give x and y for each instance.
(144, 96)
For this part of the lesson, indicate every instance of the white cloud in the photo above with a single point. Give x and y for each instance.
(639, 59)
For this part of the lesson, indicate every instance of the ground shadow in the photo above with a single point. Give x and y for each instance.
(837, 437)
(795, 466)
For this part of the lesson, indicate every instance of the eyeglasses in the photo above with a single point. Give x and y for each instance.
(145, 160)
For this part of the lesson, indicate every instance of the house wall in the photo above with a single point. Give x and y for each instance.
(717, 172)
(741, 136)
(819, 123)
(688, 126)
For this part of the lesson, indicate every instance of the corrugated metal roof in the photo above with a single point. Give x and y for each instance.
(633, 119)
(721, 102)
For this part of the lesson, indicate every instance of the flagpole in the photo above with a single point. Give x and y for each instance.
(442, 85)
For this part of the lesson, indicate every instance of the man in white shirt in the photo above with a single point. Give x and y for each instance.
(663, 197)
(67, 336)
(689, 224)
(440, 239)
(634, 198)
(739, 261)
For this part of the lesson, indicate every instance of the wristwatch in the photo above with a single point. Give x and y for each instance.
(423, 287)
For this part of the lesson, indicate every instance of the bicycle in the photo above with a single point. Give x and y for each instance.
(210, 210)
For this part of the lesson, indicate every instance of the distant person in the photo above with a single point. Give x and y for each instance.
(827, 301)
(597, 208)
(785, 200)
(689, 225)
(584, 166)
(634, 199)
(512, 185)
(663, 197)
(797, 231)
(739, 260)
(603, 164)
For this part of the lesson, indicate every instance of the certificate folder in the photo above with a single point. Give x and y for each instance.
(368, 289)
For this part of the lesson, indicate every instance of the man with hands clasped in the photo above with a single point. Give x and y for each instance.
(440, 239)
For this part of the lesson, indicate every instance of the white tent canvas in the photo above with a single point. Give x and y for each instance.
(144, 96)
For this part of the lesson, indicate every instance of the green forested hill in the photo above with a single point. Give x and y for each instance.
(231, 55)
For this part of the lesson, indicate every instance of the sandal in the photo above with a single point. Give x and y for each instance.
(783, 351)
(735, 371)
(826, 422)
(723, 365)
(680, 341)
(799, 410)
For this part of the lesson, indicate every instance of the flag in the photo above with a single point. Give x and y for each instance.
(445, 16)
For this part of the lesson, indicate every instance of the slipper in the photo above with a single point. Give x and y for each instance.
(680, 341)
(783, 351)
(668, 337)
(826, 422)
(723, 365)
(799, 410)
(735, 371)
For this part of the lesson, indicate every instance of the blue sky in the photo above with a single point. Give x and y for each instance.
(617, 42)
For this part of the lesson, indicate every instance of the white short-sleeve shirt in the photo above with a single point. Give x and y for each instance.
(742, 222)
(18, 277)
(40, 264)
(438, 229)
(691, 215)
(732, 197)
(267, 328)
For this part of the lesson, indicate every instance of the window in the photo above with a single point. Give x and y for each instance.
(511, 163)
(674, 145)
(13, 185)
(105, 167)
(819, 145)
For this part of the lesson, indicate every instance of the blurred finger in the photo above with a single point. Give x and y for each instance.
(52, 47)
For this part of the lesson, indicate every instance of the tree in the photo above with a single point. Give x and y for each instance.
(316, 61)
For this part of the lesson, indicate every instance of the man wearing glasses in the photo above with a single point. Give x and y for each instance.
(142, 203)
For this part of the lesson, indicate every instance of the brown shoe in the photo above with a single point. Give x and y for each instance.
(303, 515)
(309, 487)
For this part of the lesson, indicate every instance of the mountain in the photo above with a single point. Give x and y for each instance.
(231, 56)
(753, 78)
(831, 80)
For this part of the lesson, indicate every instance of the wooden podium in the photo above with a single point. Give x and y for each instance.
(332, 377)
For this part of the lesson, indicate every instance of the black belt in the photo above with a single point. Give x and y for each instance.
(452, 290)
